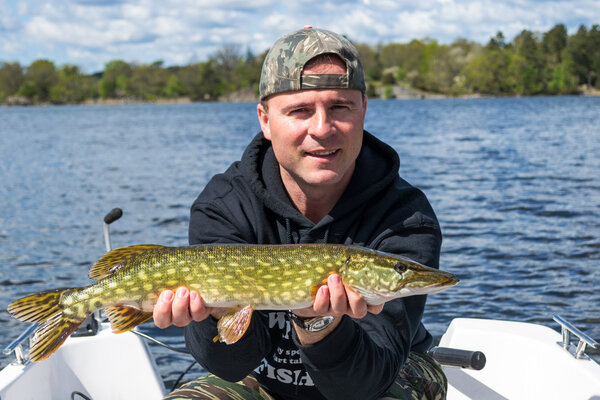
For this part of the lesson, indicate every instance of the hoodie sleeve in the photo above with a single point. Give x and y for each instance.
(218, 215)
(342, 365)
(210, 223)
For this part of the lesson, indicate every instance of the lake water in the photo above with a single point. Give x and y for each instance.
(515, 183)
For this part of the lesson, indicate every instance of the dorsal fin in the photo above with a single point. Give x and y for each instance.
(113, 260)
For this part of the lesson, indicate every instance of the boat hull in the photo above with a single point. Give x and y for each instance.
(524, 361)
(104, 366)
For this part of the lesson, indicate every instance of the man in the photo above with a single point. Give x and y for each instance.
(313, 175)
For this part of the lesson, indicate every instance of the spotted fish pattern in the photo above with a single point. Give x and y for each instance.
(241, 277)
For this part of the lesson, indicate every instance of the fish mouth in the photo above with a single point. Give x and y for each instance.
(451, 281)
(440, 286)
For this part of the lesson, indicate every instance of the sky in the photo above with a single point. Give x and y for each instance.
(90, 33)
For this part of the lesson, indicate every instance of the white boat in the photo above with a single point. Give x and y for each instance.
(102, 366)
(523, 361)
(483, 359)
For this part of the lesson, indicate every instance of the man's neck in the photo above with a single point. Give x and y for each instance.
(314, 201)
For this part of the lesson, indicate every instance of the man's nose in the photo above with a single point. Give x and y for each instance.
(320, 123)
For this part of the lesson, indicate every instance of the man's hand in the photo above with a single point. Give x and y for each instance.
(337, 300)
(181, 308)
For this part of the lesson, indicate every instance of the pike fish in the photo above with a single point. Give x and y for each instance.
(241, 277)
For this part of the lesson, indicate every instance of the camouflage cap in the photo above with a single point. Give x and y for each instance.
(282, 69)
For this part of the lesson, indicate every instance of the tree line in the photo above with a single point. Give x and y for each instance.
(551, 62)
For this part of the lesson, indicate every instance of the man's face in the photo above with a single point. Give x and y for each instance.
(316, 135)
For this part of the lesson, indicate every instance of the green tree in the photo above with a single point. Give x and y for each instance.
(370, 61)
(594, 39)
(525, 69)
(562, 79)
(553, 44)
(391, 55)
(497, 42)
(247, 72)
(147, 81)
(461, 52)
(585, 53)
(27, 89)
(388, 78)
(408, 58)
(203, 81)
(522, 76)
(435, 72)
(487, 72)
(424, 68)
(71, 86)
(11, 78)
(115, 79)
(39, 78)
(175, 87)
(445, 64)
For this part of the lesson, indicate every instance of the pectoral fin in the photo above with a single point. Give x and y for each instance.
(234, 324)
(123, 318)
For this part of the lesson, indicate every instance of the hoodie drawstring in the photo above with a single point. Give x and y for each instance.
(290, 239)
(288, 230)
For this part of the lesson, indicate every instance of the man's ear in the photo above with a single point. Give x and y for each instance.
(263, 120)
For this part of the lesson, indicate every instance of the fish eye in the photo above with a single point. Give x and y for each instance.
(400, 267)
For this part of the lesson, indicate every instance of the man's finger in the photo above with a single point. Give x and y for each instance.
(181, 307)
(375, 309)
(337, 297)
(321, 304)
(162, 310)
(358, 305)
(198, 310)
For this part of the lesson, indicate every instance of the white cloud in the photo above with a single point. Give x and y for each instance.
(136, 12)
(91, 32)
(8, 17)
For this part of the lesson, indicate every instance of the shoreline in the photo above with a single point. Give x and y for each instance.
(400, 95)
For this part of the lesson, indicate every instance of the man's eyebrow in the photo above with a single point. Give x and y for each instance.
(343, 101)
(337, 101)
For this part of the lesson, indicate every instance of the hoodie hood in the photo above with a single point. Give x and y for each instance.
(376, 167)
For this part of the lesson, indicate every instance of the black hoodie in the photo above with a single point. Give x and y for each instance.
(361, 357)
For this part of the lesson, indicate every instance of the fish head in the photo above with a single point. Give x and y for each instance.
(379, 277)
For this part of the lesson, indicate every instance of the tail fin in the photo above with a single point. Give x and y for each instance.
(55, 328)
(36, 307)
(51, 335)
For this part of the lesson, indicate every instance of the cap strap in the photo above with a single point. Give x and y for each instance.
(322, 81)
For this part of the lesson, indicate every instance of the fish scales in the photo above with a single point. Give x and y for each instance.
(265, 276)
(269, 277)
(276, 277)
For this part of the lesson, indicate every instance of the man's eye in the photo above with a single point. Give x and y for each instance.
(339, 107)
(298, 111)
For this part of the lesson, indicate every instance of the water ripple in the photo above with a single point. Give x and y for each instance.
(514, 183)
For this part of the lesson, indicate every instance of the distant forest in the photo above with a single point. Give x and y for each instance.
(533, 63)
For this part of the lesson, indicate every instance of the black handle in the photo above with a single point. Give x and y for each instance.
(458, 358)
(113, 215)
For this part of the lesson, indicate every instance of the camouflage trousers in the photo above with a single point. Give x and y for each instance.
(421, 378)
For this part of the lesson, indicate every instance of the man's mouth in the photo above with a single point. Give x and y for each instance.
(321, 153)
